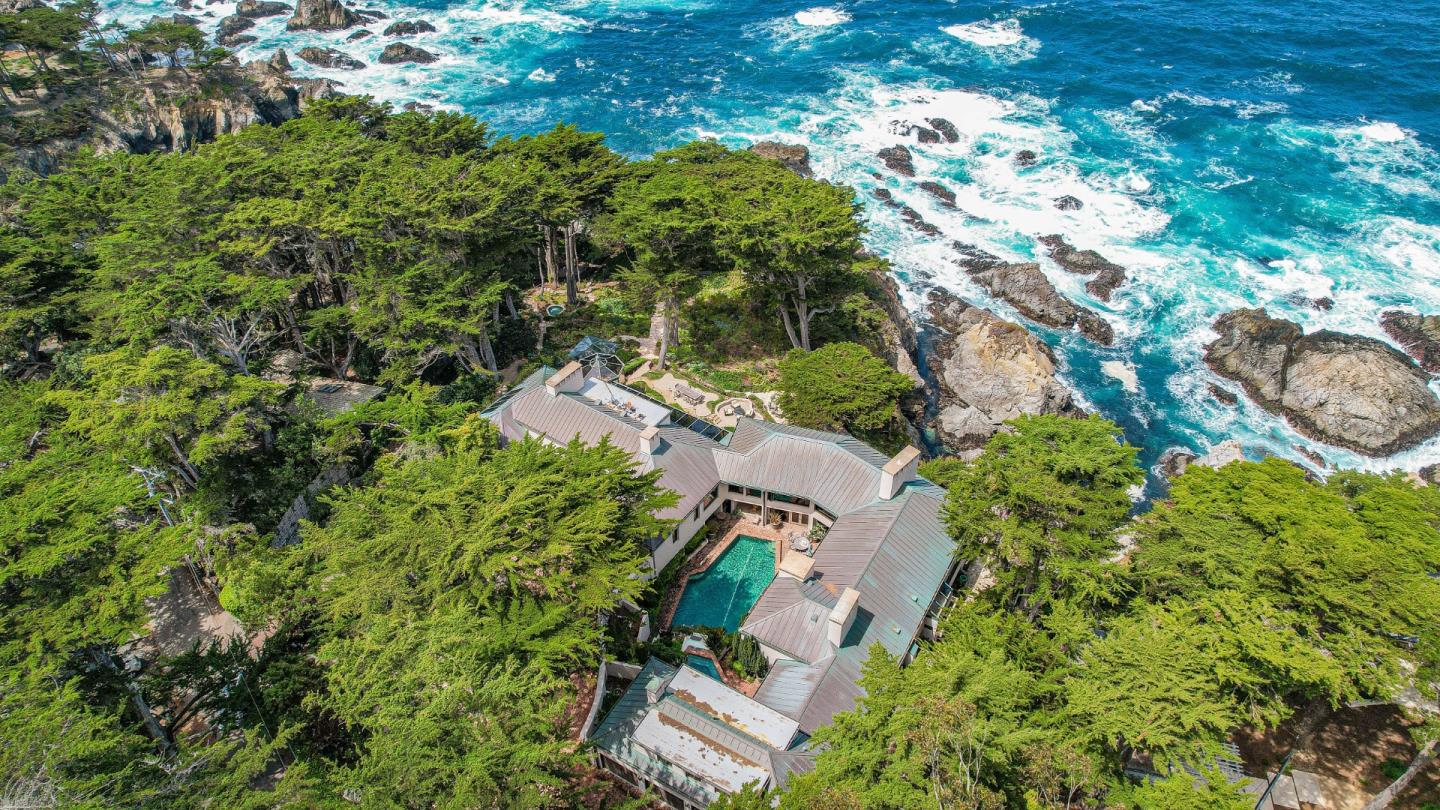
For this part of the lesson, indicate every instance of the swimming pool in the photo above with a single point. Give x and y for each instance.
(722, 594)
(705, 665)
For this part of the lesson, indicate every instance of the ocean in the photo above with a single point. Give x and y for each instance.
(1227, 153)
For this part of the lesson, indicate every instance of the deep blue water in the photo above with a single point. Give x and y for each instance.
(1228, 153)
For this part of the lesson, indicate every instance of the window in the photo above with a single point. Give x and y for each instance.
(710, 497)
(754, 493)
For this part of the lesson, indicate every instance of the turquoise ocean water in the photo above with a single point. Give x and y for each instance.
(1228, 153)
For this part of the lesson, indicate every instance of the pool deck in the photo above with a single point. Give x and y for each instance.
(726, 531)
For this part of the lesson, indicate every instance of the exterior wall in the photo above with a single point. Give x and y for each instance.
(681, 535)
(771, 654)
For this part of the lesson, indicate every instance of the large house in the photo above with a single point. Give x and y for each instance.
(880, 576)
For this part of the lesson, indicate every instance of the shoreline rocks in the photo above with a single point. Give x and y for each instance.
(898, 159)
(1026, 158)
(1418, 335)
(1066, 202)
(255, 9)
(399, 52)
(322, 15)
(1107, 274)
(939, 192)
(407, 28)
(793, 157)
(330, 58)
(1346, 390)
(987, 370)
(946, 129)
(1024, 286)
(231, 31)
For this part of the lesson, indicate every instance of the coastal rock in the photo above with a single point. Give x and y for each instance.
(1324, 303)
(987, 370)
(1221, 454)
(1024, 286)
(407, 28)
(321, 15)
(914, 220)
(175, 19)
(1065, 202)
(476, 39)
(171, 111)
(885, 196)
(229, 31)
(946, 129)
(898, 341)
(329, 58)
(359, 35)
(418, 106)
(17, 6)
(1419, 335)
(255, 9)
(279, 61)
(795, 158)
(1107, 274)
(373, 14)
(939, 192)
(398, 52)
(898, 159)
(926, 135)
(1026, 157)
(1347, 390)
(1222, 396)
(1173, 462)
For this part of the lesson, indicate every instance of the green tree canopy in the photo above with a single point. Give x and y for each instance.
(841, 385)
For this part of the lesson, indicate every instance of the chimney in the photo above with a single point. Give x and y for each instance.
(899, 471)
(570, 378)
(654, 689)
(649, 440)
(842, 616)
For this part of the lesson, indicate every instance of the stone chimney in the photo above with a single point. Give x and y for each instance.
(899, 471)
(842, 616)
(649, 441)
(568, 379)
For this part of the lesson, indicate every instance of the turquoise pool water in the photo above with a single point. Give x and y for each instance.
(705, 665)
(722, 594)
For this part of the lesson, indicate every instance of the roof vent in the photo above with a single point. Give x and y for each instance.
(654, 689)
(898, 472)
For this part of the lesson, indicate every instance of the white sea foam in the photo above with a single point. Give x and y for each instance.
(1122, 372)
(541, 75)
(988, 33)
(822, 16)
(1383, 131)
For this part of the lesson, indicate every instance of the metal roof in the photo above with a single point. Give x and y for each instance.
(895, 552)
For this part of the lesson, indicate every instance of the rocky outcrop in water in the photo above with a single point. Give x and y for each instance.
(322, 15)
(898, 159)
(330, 58)
(946, 129)
(1419, 335)
(1066, 202)
(408, 28)
(939, 192)
(231, 31)
(987, 370)
(255, 9)
(1347, 390)
(795, 158)
(279, 61)
(398, 52)
(1024, 286)
(359, 35)
(1026, 157)
(1107, 274)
